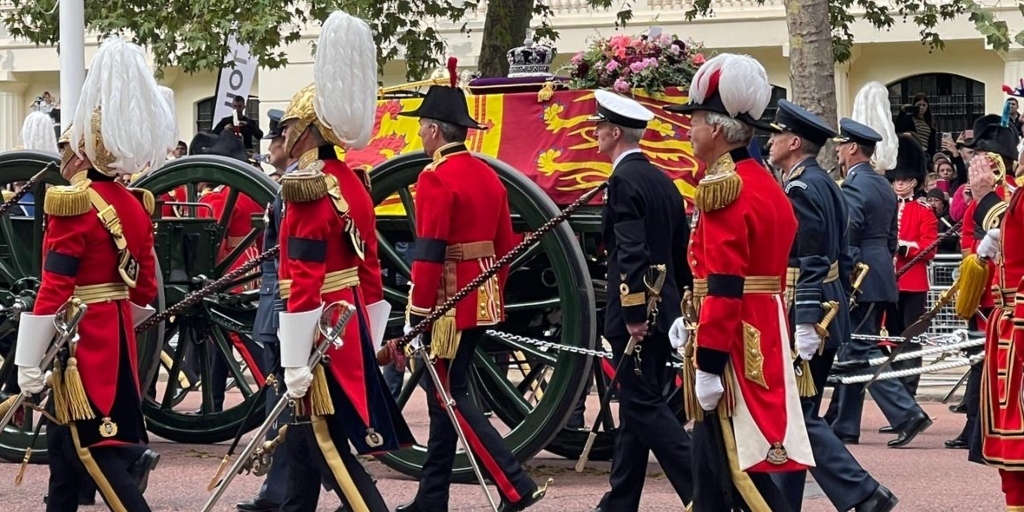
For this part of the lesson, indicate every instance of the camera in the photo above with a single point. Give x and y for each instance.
(910, 109)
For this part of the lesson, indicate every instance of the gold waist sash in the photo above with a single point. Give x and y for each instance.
(333, 281)
(107, 292)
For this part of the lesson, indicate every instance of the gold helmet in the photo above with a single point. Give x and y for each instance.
(122, 122)
(342, 99)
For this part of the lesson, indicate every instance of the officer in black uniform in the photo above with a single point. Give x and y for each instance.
(814, 279)
(644, 225)
(872, 232)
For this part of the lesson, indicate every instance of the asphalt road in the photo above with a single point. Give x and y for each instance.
(925, 476)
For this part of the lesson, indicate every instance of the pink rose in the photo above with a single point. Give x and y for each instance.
(637, 66)
(576, 59)
(651, 62)
(674, 49)
(621, 86)
(698, 59)
(611, 66)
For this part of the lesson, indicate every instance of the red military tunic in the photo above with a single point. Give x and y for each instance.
(455, 246)
(175, 195)
(79, 257)
(321, 240)
(918, 229)
(739, 253)
(1002, 399)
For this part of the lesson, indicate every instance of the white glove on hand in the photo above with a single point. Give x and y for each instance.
(678, 334)
(807, 341)
(30, 379)
(709, 390)
(297, 381)
(407, 329)
(989, 246)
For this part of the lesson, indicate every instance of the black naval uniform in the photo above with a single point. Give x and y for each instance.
(644, 224)
(821, 239)
(873, 241)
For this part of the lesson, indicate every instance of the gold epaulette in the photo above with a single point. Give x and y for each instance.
(146, 198)
(68, 201)
(305, 185)
(7, 195)
(796, 173)
(719, 187)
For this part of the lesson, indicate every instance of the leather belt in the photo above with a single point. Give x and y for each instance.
(1004, 298)
(751, 285)
(107, 292)
(469, 251)
(333, 281)
(793, 274)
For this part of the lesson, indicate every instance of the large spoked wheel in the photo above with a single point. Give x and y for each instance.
(21, 242)
(206, 374)
(529, 389)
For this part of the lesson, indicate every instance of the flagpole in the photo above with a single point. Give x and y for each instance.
(72, 57)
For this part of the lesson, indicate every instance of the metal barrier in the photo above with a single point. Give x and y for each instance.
(940, 277)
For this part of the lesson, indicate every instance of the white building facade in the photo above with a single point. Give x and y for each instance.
(963, 81)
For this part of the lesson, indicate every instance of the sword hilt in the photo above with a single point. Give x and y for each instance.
(831, 310)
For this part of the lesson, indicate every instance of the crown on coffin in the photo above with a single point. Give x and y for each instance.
(531, 59)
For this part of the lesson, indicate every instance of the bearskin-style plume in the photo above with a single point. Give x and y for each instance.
(37, 133)
(871, 107)
(122, 122)
(740, 80)
(345, 76)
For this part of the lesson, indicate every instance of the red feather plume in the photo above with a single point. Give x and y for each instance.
(451, 70)
(1007, 89)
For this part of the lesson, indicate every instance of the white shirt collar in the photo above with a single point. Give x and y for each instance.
(623, 155)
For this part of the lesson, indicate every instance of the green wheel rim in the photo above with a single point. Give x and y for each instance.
(532, 424)
(208, 327)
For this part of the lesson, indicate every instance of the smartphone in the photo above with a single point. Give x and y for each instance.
(947, 136)
(968, 134)
(942, 185)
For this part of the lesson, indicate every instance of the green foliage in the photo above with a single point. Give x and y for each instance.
(925, 14)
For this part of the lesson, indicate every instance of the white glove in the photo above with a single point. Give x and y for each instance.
(709, 390)
(407, 329)
(297, 381)
(30, 379)
(989, 246)
(678, 334)
(807, 341)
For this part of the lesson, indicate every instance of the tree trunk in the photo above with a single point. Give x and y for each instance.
(504, 28)
(812, 64)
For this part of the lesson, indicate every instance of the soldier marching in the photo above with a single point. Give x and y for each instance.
(773, 264)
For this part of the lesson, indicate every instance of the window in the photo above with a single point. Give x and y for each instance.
(204, 113)
(955, 101)
(778, 93)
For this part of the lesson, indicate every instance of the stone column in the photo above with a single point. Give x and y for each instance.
(12, 113)
(844, 97)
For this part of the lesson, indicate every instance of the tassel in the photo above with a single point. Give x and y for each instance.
(805, 382)
(728, 403)
(973, 282)
(319, 395)
(58, 393)
(453, 76)
(78, 406)
(24, 464)
(693, 408)
(7, 404)
(445, 336)
(715, 192)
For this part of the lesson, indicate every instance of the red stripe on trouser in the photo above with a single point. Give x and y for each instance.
(247, 356)
(499, 477)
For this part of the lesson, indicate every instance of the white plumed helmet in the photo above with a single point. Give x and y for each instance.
(122, 121)
(345, 78)
(37, 133)
(871, 108)
(732, 85)
(168, 95)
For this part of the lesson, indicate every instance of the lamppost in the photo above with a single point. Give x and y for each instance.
(72, 57)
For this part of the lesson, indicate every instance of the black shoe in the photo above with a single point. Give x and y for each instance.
(960, 408)
(882, 500)
(957, 443)
(140, 469)
(83, 501)
(258, 504)
(526, 501)
(887, 430)
(910, 429)
(849, 366)
(848, 440)
(412, 506)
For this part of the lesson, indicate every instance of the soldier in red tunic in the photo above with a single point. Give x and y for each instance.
(917, 229)
(98, 248)
(1002, 399)
(329, 254)
(462, 227)
(739, 252)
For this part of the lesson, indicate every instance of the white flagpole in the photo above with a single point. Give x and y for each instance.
(72, 57)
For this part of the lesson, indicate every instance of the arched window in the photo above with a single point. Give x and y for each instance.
(955, 101)
(204, 112)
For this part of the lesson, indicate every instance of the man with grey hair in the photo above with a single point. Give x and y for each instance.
(749, 422)
(645, 231)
